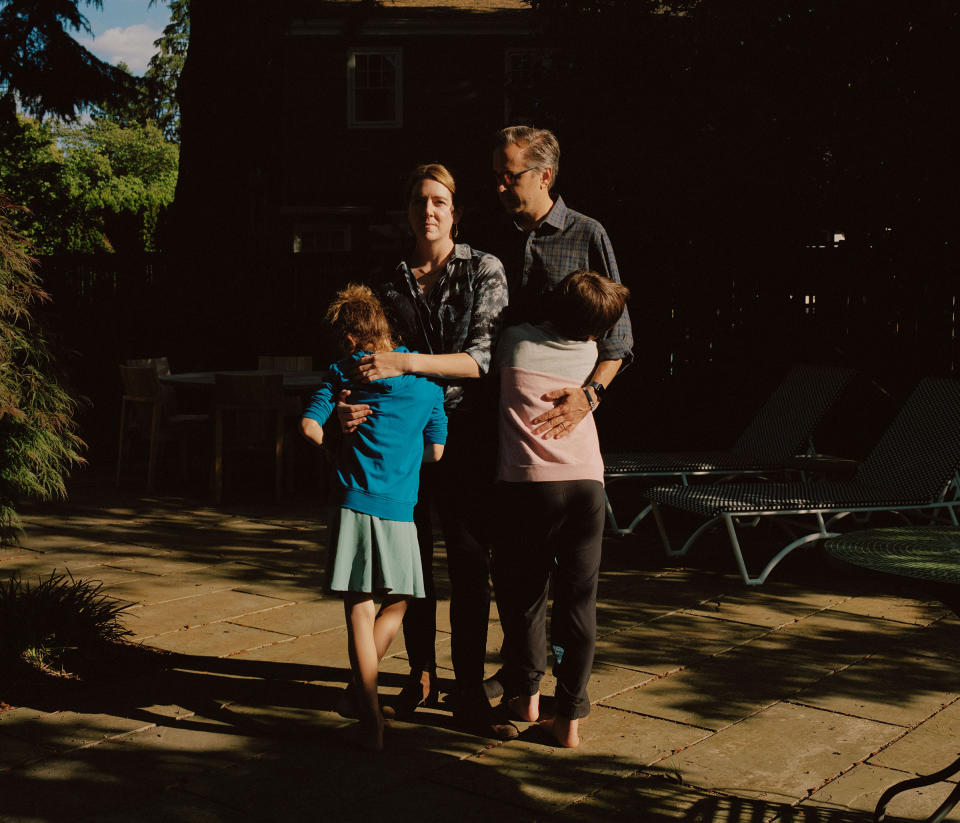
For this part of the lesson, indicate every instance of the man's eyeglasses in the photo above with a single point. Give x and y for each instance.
(509, 178)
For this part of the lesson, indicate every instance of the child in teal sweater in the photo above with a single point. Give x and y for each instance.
(373, 540)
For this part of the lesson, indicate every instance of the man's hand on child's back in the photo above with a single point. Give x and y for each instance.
(570, 407)
(351, 416)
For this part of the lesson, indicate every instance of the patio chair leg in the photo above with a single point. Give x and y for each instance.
(696, 536)
(611, 518)
(658, 519)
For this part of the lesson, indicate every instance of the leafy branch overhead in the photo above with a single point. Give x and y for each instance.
(44, 68)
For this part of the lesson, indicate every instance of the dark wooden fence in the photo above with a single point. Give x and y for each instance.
(716, 324)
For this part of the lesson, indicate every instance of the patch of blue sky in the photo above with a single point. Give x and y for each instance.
(124, 31)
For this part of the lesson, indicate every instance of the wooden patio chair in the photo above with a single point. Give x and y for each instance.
(913, 467)
(781, 429)
(249, 412)
(147, 409)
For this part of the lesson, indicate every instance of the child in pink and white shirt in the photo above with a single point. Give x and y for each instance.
(551, 501)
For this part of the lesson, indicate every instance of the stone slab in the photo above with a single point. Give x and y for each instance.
(646, 798)
(189, 612)
(672, 641)
(532, 773)
(859, 790)
(772, 605)
(173, 804)
(297, 619)
(928, 748)
(15, 752)
(328, 649)
(892, 607)
(832, 640)
(721, 690)
(891, 687)
(66, 730)
(215, 639)
(753, 759)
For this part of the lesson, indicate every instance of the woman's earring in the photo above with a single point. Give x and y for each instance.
(456, 231)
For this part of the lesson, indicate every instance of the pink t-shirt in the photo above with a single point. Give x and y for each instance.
(534, 360)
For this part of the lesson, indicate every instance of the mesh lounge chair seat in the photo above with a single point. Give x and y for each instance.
(781, 429)
(913, 466)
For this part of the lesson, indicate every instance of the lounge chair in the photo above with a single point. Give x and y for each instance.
(781, 429)
(913, 467)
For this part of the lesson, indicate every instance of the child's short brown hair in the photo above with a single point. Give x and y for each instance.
(585, 305)
(356, 311)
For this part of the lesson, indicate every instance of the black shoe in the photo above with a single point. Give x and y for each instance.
(421, 689)
(486, 722)
(493, 686)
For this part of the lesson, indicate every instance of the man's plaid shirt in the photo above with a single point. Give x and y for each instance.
(538, 260)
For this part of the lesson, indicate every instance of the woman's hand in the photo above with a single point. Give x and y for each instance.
(350, 416)
(570, 407)
(381, 365)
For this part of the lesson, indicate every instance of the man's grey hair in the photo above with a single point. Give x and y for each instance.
(539, 146)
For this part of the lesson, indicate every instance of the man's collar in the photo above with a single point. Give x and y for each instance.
(556, 218)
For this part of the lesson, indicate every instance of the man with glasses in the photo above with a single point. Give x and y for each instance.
(551, 241)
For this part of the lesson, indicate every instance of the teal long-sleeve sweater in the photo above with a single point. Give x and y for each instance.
(378, 465)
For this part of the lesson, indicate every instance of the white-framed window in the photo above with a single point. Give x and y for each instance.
(375, 88)
(321, 237)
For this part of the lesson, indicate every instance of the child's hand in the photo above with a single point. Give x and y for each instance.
(380, 366)
(350, 416)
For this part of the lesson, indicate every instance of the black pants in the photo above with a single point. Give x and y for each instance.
(552, 527)
(458, 490)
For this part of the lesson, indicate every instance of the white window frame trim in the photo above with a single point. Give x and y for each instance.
(352, 122)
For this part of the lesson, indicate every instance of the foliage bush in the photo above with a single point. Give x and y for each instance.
(38, 440)
(43, 624)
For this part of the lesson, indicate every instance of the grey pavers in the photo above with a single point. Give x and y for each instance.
(892, 607)
(928, 748)
(672, 641)
(719, 691)
(297, 618)
(781, 754)
(65, 730)
(14, 751)
(216, 639)
(772, 605)
(892, 687)
(832, 640)
(647, 798)
(329, 647)
(196, 610)
(861, 787)
(712, 701)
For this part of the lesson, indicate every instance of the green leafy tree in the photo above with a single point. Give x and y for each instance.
(154, 96)
(38, 440)
(95, 187)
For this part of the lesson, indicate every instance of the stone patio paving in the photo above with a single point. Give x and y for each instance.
(798, 701)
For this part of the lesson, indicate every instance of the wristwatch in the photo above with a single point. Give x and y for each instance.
(598, 389)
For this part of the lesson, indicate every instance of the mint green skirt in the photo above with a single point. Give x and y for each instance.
(369, 554)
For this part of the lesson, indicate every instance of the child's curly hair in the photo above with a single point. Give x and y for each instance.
(357, 312)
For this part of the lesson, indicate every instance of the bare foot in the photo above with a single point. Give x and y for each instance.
(564, 730)
(526, 708)
(367, 735)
